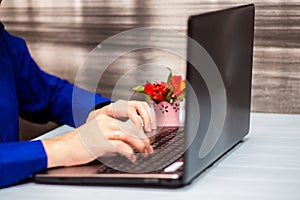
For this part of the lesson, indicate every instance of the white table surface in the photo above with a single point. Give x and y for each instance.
(265, 166)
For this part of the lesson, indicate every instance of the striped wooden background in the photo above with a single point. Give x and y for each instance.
(61, 33)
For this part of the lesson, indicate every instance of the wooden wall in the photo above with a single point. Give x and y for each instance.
(60, 34)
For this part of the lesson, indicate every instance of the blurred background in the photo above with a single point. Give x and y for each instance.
(61, 33)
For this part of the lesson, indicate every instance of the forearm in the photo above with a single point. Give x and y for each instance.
(66, 150)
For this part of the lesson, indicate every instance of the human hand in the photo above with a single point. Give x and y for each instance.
(102, 135)
(138, 111)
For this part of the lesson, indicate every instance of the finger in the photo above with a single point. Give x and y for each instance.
(135, 110)
(133, 140)
(130, 129)
(146, 141)
(153, 119)
(142, 110)
(146, 116)
(127, 132)
(136, 119)
(123, 149)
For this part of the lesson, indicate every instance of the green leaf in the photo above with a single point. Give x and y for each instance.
(169, 77)
(139, 88)
(148, 96)
(169, 95)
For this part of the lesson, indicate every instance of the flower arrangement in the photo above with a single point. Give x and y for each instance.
(170, 91)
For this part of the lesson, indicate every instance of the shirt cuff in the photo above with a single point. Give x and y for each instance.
(20, 160)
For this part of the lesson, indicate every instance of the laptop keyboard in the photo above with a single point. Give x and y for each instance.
(168, 147)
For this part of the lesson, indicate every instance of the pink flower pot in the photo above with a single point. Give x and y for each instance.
(167, 114)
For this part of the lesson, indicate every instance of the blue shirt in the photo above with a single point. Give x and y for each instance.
(32, 94)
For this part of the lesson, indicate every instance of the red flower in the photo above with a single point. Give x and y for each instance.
(178, 85)
(157, 91)
(170, 91)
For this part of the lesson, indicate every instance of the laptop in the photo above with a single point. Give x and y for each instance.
(217, 116)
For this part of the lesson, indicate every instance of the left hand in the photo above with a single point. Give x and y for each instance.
(138, 111)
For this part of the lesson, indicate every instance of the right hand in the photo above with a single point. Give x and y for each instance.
(104, 135)
(100, 136)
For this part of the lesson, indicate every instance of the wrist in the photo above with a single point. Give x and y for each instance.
(66, 150)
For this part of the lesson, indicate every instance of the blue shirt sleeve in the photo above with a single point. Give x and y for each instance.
(19, 160)
(41, 97)
(44, 97)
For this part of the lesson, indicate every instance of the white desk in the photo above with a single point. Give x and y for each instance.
(265, 166)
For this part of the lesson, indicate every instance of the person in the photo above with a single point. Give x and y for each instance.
(35, 95)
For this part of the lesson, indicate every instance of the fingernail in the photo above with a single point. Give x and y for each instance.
(148, 128)
(133, 158)
(154, 127)
(150, 150)
(145, 154)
